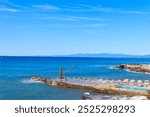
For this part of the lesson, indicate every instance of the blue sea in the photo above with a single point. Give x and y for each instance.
(15, 74)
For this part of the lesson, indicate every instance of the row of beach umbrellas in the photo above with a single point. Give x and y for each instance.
(133, 81)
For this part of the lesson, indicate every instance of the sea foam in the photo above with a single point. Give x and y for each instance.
(30, 81)
(115, 97)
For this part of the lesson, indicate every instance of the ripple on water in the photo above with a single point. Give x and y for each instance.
(114, 97)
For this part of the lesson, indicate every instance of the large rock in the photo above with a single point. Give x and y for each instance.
(142, 68)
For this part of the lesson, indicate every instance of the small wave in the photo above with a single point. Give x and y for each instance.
(111, 67)
(86, 93)
(115, 97)
(135, 72)
(97, 66)
(138, 98)
(30, 81)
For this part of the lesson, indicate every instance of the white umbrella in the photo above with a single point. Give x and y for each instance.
(132, 81)
(139, 81)
(119, 81)
(126, 80)
(146, 81)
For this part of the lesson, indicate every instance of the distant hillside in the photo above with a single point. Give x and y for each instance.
(101, 55)
(108, 55)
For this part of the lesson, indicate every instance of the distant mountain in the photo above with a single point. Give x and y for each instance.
(107, 55)
(100, 55)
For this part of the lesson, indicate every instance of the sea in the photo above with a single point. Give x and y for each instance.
(16, 73)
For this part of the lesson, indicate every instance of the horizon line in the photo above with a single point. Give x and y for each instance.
(76, 55)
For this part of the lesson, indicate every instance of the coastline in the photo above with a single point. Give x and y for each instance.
(98, 88)
(19, 71)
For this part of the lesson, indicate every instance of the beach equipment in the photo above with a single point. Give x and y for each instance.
(132, 81)
(119, 81)
(72, 67)
(139, 81)
(146, 82)
(61, 73)
(126, 80)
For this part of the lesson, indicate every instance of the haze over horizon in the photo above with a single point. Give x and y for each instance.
(109, 55)
(63, 27)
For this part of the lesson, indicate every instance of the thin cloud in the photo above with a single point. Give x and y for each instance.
(80, 21)
(6, 2)
(87, 8)
(113, 10)
(46, 7)
(68, 25)
(48, 17)
(88, 18)
(133, 12)
(57, 18)
(70, 18)
(80, 25)
(76, 10)
(8, 9)
(13, 7)
(96, 25)
(9, 6)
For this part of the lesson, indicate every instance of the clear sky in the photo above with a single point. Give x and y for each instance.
(58, 27)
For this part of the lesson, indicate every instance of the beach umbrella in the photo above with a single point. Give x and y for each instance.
(126, 80)
(146, 81)
(132, 81)
(100, 80)
(139, 81)
(119, 81)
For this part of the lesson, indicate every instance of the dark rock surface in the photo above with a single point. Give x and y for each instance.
(140, 68)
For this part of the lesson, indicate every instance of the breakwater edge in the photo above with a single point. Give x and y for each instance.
(99, 87)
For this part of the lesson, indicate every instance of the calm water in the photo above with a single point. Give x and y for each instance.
(15, 73)
(133, 88)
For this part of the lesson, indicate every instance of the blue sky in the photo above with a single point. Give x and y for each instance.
(58, 27)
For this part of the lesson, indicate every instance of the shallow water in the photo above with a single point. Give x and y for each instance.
(133, 88)
(113, 97)
(15, 74)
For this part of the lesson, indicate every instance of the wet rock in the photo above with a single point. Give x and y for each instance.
(141, 68)
(86, 98)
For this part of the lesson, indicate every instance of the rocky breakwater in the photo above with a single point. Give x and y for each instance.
(99, 88)
(60, 83)
(140, 68)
